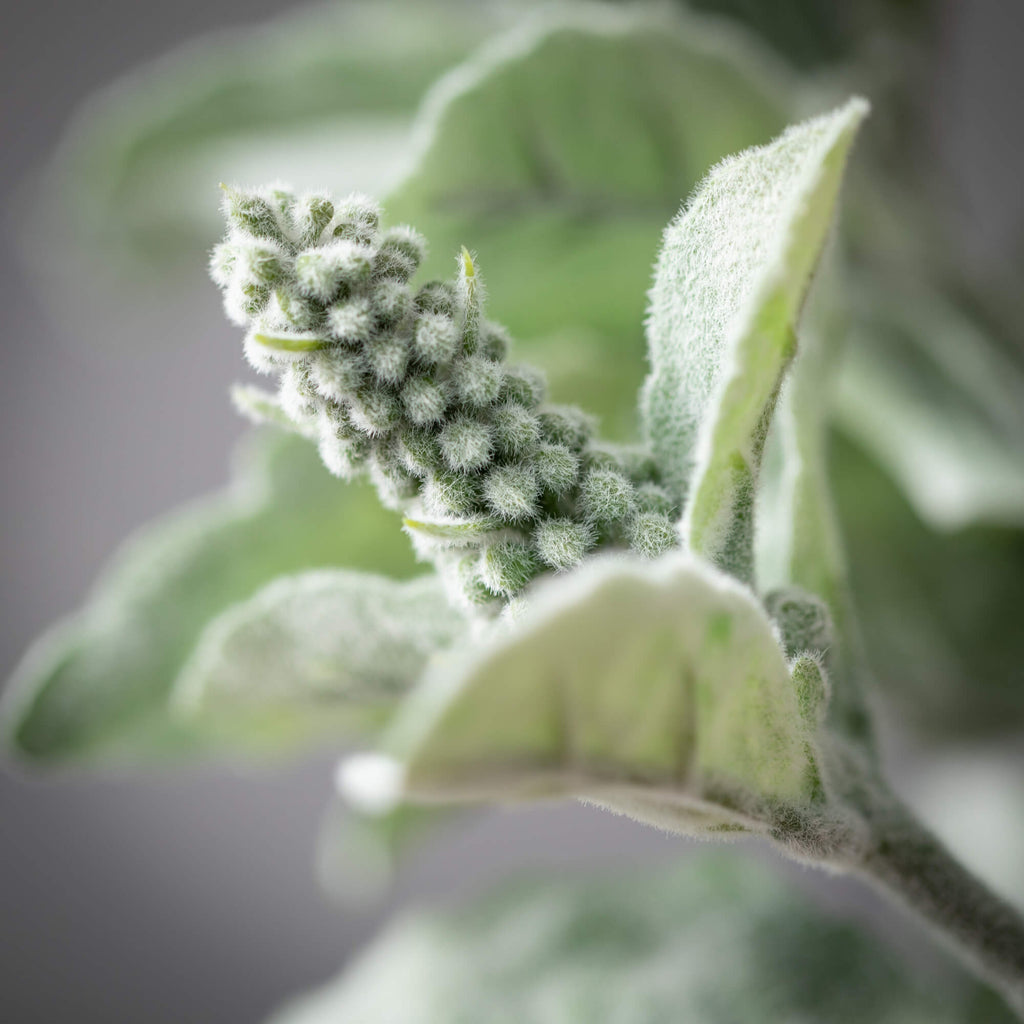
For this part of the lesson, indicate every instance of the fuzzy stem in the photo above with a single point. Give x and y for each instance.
(910, 865)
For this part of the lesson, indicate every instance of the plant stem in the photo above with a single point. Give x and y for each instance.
(913, 867)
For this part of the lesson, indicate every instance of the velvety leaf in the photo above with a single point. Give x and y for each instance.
(327, 95)
(650, 687)
(559, 152)
(97, 686)
(940, 612)
(938, 405)
(719, 941)
(731, 280)
(320, 653)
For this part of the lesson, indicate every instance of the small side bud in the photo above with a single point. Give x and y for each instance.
(511, 492)
(350, 321)
(424, 400)
(565, 424)
(251, 214)
(524, 385)
(388, 356)
(419, 451)
(477, 381)
(557, 468)
(471, 295)
(436, 339)
(606, 497)
(437, 297)
(651, 534)
(654, 498)
(507, 567)
(811, 685)
(494, 342)
(516, 430)
(451, 494)
(375, 410)
(338, 373)
(466, 444)
(562, 543)
(310, 217)
(803, 620)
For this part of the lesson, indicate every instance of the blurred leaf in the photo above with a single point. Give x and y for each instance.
(719, 941)
(650, 687)
(731, 281)
(559, 152)
(324, 96)
(937, 404)
(940, 613)
(97, 686)
(321, 653)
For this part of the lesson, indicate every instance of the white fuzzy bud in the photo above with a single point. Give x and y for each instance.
(424, 400)
(507, 567)
(562, 543)
(477, 381)
(436, 339)
(651, 534)
(511, 492)
(351, 320)
(466, 444)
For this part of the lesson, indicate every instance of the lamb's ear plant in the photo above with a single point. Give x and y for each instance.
(598, 620)
(608, 639)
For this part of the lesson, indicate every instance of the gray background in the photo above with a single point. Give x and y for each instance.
(190, 896)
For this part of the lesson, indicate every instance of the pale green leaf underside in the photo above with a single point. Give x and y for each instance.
(729, 286)
(316, 654)
(925, 391)
(97, 686)
(718, 941)
(559, 152)
(650, 687)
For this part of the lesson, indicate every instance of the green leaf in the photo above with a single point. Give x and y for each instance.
(940, 611)
(656, 688)
(315, 655)
(97, 686)
(325, 95)
(719, 940)
(732, 277)
(559, 152)
(938, 405)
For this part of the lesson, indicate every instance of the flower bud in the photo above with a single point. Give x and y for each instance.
(466, 444)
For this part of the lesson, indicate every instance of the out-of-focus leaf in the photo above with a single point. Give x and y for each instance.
(938, 405)
(320, 653)
(940, 612)
(730, 284)
(97, 686)
(719, 941)
(653, 687)
(323, 97)
(559, 152)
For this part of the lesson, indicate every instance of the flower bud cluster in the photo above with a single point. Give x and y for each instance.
(411, 387)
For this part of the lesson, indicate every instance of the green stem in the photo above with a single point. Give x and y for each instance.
(912, 866)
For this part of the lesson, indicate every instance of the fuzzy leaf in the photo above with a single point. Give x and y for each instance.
(97, 686)
(559, 152)
(304, 98)
(730, 283)
(315, 654)
(650, 687)
(720, 941)
(938, 405)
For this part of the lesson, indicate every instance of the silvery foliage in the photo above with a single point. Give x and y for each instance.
(670, 689)
(412, 388)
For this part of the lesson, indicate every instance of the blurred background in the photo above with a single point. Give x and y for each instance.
(190, 893)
